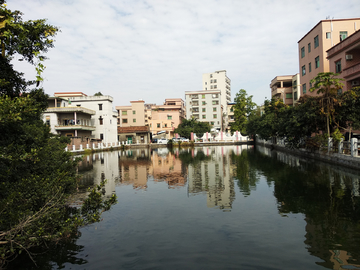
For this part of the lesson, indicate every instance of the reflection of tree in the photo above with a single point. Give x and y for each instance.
(246, 174)
(64, 252)
(187, 158)
(326, 198)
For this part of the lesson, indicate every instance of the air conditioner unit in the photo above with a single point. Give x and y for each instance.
(355, 83)
(348, 57)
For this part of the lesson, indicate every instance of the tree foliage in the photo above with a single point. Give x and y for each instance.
(243, 109)
(192, 125)
(37, 175)
(327, 86)
(312, 116)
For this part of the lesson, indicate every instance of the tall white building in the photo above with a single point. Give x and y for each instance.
(218, 81)
(205, 106)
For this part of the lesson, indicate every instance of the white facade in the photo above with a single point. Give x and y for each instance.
(104, 119)
(205, 106)
(218, 81)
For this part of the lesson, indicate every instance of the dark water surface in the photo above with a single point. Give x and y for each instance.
(216, 208)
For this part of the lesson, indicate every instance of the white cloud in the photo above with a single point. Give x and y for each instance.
(157, 49)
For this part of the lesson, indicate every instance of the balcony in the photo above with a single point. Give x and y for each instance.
(74, 127)
(350, 71)
(70, 110)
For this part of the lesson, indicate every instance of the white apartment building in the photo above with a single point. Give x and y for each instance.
(103, 116)
(205, 106)
(218, 81)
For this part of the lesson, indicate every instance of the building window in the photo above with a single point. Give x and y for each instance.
(309, 47)
(203, 109)
(215, 95)
(302, 52)
(317, 62)
(316, 41)
(205, 83)
(338, 66)
(134, 112)
(202, 96)
(288, 95)
(100, 107)
(211, 75)
(101, 136)
(123, 112)
(101, 120)
(231, 109)
(309, 67)
(310, 85)
(165, 125)
(304, 88)
(215, 86)
(303, 70)
(295, 95)
(124, 121)
(212, 123)
(47, 122)
(339, 91)
(169, 117)
(215, 116)
(343, 35)
(328, 35)
(158, 125)
(214, 109)
(204, 116)
(203, 103)
(134, 120)
(215, 81)
(215, 102)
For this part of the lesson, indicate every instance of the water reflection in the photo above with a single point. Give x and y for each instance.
(278, 208)
(329, 198)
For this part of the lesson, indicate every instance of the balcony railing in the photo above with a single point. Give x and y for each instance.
(347, 72)
(74, 127)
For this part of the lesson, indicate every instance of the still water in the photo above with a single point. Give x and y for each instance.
(231, 207)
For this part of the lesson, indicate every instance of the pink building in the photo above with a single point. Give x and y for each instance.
(344, 58)
(314, 45)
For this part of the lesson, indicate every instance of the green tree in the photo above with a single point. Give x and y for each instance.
(36, 174)
(98, 94)
(327, 86)
(192, 125)
(243, 108)
(349, 110)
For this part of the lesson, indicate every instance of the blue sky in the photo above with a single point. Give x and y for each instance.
(157, 49)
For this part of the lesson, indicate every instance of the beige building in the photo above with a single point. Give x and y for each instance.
(281, 88)
(313, 47)
(344, 58)
(133, 115)
(218, 81)
(205, 106)
(165, 118)
(230, 115)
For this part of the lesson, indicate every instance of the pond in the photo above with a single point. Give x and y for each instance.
(223, 207)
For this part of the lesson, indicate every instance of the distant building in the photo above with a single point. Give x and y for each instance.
(230, 115)
(83, 114)
(165, 118)
(281, 88)
(133, 115)
(313, 47)
(344, 58)
(218, 80)
(205, 106)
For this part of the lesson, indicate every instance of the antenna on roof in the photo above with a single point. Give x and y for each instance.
(327, 17)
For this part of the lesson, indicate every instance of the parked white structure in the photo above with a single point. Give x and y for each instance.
(205, 106)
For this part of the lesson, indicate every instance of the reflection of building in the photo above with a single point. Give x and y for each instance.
(104, 166)
(230, 115)
(214, 176)
(134, 166)
(166, 167)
